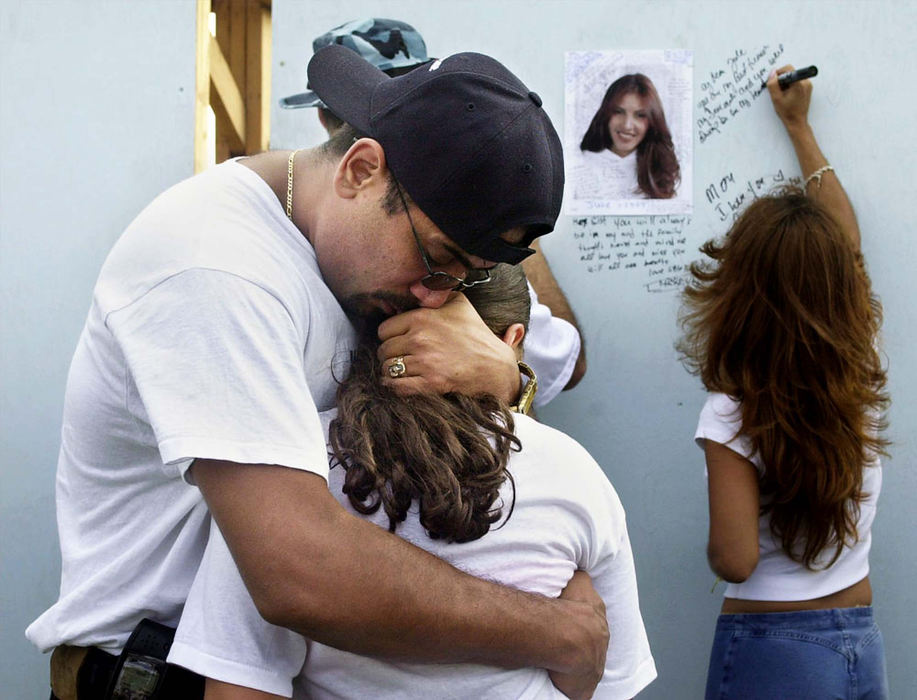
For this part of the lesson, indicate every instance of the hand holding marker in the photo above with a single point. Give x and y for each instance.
(787, 79)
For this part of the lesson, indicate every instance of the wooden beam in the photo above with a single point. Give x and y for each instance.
(227, 142)
(236, 53)
(258, 76)
(202, 86)
(227, 93)
(238, 61)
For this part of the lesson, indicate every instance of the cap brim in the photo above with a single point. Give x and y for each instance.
(303, 99)
(345, 82)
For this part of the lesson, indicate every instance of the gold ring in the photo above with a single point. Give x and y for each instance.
(397, 368)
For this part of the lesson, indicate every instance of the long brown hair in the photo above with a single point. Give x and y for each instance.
(449, 453)
(658, 172)
(784, 321)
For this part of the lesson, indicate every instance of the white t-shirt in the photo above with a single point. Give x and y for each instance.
(606, 175)
(552, 347)
(777, 577)
(211, 335)
(566, 516)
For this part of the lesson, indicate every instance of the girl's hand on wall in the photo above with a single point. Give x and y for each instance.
(791, 104)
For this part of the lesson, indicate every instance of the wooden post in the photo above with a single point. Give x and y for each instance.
(237, 66)
(258, 76)
(202, 85)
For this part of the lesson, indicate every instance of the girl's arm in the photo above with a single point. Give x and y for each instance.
(732, 483)
(792, 106)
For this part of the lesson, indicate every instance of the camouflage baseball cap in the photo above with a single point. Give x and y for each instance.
(391, 46)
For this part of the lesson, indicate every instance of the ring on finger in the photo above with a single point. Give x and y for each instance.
(396, 368)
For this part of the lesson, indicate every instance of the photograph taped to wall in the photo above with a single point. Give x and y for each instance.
(628, 142)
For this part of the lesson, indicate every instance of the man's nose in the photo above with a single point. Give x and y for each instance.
(429, 298)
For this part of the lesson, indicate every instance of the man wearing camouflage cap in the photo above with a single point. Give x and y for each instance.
(217, 323)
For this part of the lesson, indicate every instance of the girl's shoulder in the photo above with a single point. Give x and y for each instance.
(720, 420)
(552, 457)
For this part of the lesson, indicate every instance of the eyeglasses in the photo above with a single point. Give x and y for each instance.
(437, 280)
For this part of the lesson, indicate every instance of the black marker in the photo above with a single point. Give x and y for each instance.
(786, 79)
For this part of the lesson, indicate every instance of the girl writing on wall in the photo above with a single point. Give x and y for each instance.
(782, 328)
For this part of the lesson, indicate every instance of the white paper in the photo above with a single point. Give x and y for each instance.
(594, 181)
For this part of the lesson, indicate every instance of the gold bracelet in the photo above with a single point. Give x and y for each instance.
(817, 176)
(524, 404)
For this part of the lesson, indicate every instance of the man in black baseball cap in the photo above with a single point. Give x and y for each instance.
(217, 323)
(465, 164)
(554, 346)
(467, 141)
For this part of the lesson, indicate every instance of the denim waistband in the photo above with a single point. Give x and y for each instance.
(832, 618)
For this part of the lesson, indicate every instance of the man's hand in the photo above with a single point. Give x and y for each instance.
(448, 349)
(582, 680)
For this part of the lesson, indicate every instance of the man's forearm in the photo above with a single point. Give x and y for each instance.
(345, 582)
(395, 600)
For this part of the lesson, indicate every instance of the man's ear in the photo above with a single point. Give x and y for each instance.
(361, 168)
(513, 337)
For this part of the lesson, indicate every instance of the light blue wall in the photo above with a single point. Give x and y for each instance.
(96, 117)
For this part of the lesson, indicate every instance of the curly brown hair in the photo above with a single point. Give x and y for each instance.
(784, 321)
(658, 172)
(449, 453)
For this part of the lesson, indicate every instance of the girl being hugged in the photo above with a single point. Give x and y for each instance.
(492, 492)
(782, 329)
(629, 134)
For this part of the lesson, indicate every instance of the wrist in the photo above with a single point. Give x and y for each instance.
(510, 378)
(527, 394)
(573, 640)
(798, 129)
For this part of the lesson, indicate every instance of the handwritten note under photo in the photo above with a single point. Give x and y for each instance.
(628, 132)
(649, 249)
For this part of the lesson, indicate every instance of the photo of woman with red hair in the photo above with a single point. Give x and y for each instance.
(628, 139)
(629, 133)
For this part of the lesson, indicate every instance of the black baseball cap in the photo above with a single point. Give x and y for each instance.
(465, 138)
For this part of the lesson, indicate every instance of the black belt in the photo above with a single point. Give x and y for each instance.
(141, 672)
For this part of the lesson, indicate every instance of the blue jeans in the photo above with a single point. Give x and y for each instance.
(810, 655)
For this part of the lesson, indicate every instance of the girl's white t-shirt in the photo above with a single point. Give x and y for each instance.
(777, 577)
(567, 516)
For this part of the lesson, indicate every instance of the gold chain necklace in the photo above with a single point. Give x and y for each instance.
(290, 185)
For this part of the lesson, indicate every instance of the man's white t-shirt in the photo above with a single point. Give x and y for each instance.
(211, 335)
(552, 347)
(567, 516)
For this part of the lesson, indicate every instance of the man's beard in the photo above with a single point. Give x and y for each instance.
(366, 311)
